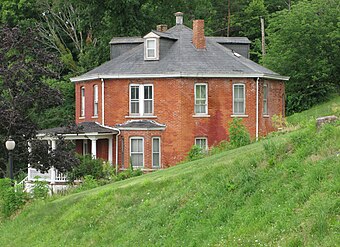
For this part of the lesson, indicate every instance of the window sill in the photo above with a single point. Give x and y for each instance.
(266, 116)
(198, 115)
(240, 115)
(81, 117)
(94, 117)
(140, 116)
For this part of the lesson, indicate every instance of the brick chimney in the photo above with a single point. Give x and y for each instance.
(162, 28)
(198, 38)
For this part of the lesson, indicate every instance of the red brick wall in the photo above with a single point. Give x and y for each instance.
(174, 106)
(198, 38)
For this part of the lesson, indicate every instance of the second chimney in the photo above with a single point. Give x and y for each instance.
(162, 28)
(198, 38)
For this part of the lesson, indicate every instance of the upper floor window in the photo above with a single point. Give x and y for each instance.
(141, 99)
(95, 100)
(201, 98)
(156, 151)
(137, 151)
(82, 101)
(239, 99)
(202, 142)
(265, 99)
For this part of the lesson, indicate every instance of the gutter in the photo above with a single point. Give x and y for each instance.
(117, 151)
(257, 108)
(179, 75)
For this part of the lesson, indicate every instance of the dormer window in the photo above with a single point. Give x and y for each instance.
(150, 48)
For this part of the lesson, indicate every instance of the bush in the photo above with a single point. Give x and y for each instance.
(87, 166)
(238, 134)
(195, 153)
(221, 147)
(129, 173)
(40, 189)
(11, 199)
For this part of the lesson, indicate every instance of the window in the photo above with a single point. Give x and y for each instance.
(265, 99)
(85, 147)
(141, 100)
(150, 50)
(201, 98)
(95, 100)
(202, 142)
(239, 99)
(156, 152)
(137, 151)
(82, 101)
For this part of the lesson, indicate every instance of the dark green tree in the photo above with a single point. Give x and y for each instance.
(305, 45)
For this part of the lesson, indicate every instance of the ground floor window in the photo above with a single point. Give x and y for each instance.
(202, 142)
(137, 151)
(85, 147)
(156, 152)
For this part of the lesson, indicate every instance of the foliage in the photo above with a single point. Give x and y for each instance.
(195, 153)
(40, 189)
(304, 44)
(238, 134)
(221, 147)
(89, 182)
(11, 199)
(279, 122)
(246, 200)
(25, 63)
(62, 158)
(87, 167)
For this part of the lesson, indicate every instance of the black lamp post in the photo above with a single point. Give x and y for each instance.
(10, 145)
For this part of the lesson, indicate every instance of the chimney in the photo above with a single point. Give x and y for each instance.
(162, 28)
(179, 18)
(198, 38)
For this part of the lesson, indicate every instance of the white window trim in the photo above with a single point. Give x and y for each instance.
(244, 105)
(160, 151)
(141, 100)
(95, 100)
(156, 57)
(206, 142)
(137, 138)
(265, 114)
(82, 101)
(206, 100)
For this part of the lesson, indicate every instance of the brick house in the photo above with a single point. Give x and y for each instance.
(161, 94)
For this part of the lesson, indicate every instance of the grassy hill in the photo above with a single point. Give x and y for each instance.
(281, 191)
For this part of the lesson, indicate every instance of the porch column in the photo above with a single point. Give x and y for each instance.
(110, 146)
(53, 144)
(94, 148)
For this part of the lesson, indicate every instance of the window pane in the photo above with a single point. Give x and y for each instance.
(203, 91)
(140, 145)
(155, 146)
(155, 160)
(148, 106)
(148, 92)
(151, 44)
(134, 92)
(135, 107)
(150, 53)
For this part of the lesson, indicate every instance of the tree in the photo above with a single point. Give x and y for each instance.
(24, 94)
(305, 45)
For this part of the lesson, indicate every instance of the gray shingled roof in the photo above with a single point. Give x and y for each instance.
(126, 40)
(81, 128)
(230, 40)
(181, 60)
(141, 124)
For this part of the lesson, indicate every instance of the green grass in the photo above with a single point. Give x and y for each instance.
(281, 191)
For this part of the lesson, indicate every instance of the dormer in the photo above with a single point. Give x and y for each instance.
(151, 46)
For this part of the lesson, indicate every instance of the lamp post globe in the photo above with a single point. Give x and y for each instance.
(10, 145)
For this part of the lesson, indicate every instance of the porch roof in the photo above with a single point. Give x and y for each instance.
(81, 128)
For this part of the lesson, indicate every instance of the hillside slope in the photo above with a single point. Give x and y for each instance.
(282, 191)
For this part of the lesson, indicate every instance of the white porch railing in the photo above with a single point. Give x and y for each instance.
(53, 175)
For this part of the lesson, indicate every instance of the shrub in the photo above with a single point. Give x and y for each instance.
(129, 173)
(11, 199)
(221, 147)
(238, 134)
(195, 153)
(87, 166)
(279, 122)
(40, 189)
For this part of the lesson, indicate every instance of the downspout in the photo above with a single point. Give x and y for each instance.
(103, 102)
(257, 108)
(117, 151)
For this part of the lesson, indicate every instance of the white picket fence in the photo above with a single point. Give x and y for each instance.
(52, 176)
